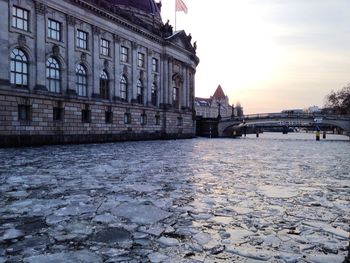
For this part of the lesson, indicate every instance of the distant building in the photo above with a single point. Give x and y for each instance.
(92, 71)
(209, 107)
(314, 109)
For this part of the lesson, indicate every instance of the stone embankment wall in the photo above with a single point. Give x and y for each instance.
(41, 128)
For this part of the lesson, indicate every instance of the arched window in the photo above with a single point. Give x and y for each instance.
(123, 88)
(139, 92)
(53, 75)
(19, 68)
(104, 85)
(154, 94)
(81, 80)
(175, 95)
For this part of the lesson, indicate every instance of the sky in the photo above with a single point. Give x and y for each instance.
(269, 55)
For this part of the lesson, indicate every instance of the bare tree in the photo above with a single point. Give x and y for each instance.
(339, 101)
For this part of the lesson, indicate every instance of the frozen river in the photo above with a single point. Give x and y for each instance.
(278, 198)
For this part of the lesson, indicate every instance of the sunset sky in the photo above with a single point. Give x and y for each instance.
(268, 54)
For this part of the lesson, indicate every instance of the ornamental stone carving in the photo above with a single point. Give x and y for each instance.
(96, 30)
(125, 70)
(40, 8)
(71, 20)
(116, 38)
(106, 63)
(134, 45)
(22, 41)
(56, 50)
(83, 57)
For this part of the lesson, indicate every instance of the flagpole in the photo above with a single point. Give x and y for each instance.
(175, 14)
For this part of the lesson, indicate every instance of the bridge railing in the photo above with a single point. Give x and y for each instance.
(287, 115)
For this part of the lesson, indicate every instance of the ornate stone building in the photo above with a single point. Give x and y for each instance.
(92, 70)
(209, 107)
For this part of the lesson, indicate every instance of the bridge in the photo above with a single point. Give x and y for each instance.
(226, 127)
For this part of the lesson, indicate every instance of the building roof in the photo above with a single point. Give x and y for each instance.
(202, 101)
(219, 93)
(145, 13)
(148, 6)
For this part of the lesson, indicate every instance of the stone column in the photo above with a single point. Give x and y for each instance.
(4, 43)
(116, 66)
(95, 49)
(192, 91)
(149, 78)
(71, 89)
(132, 85)
(170, 81)
(40, 9)
(184, 87)
(164, 81)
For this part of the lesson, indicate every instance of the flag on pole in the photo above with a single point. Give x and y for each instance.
(180, 6)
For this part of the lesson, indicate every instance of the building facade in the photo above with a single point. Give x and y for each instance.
(76, 71)
(209, 107)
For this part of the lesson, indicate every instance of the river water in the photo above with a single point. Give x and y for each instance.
(276, 198)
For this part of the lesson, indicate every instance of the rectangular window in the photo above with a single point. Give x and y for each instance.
(127, 118)
(124, 54)
(20, 18)
(105, 47)
(179, 121)
(109, 115)
(57, 114)
(86, 114)
(157, 120)
(175, 97)
(141, 60)
(24, 112)
(143, 119)
(54, 30)
(82, 39)
(155, 65)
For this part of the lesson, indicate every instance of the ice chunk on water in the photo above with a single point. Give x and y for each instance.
(79, 228)
(276, 191)
(144, 187)
(250, 253)
(75, 209)
(238, 236)
(140, 213)
(157, 257)
(12, 234)
(69, 257)
(156, 230)
(202, 238)
(289, 258)
(272, 241)
(242, 210)
(326, 258)
(105, 218)
(328, 228)
(112, 235)
(168, 242)
(224, 220)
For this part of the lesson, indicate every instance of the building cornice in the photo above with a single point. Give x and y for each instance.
(118, 20)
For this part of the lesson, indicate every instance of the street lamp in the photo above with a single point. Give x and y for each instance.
(219, 115)
(233, 111)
